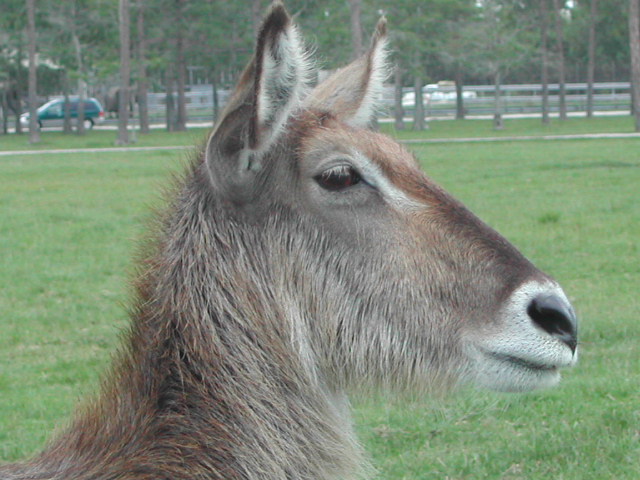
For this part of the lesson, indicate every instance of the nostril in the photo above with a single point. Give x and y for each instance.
(554, 316)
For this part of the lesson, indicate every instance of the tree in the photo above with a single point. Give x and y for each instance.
(592, 56)
(170, 107)
(143, 81)
(504, 40)
(125, 72)
(544, 53)
(408, 53)
(181, 65)
(416, 27)
(12, 21)
(398, 110)
(634, 44)
(355, 10)
(455, 46)
(82, 84)
(432, 40)
(34, 132)
(562, 104)
(418, 116)
(81, 40)
(609, 22)
(179, 28)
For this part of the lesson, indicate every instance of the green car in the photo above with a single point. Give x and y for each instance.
(51, 114)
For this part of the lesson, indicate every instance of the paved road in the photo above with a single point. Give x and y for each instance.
(6, 153)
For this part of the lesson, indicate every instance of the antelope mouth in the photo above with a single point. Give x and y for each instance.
(519, 371)
(520, 362)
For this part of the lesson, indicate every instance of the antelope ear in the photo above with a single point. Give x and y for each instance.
(353, 93)
(280, 77)
(269, 89)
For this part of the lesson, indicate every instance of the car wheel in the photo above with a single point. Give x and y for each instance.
(88, 124)
(39, 125)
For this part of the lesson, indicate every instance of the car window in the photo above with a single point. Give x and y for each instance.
(47, 105)
(55, 109)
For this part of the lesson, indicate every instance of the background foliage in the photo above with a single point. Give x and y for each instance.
(430, 37)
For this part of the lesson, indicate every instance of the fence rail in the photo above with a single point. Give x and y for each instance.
(519, 99)
(479, 100)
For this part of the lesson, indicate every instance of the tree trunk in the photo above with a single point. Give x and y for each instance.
(357, 47)
(634, 43)
(498, 122)
(125, 74)
(216, 101)
(15, 96)
(82, 85)
(81, 98)
(169, 101)
(143, 82)
(544, 51)
(34, 131)
(181, 113)
(5, 112)
(66, 126)
(459, 94)
(418, 110)
(562, 97)
(17, 111)
(591, 67)
(398, 110)
(181, 68)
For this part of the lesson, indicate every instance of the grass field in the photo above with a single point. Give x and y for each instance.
(515, 127)
(68, 229)
(100, 139)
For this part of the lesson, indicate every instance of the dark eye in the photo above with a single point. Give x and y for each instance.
(338, 178)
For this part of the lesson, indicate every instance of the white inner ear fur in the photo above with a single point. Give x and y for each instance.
(285, 76)
(372, 98)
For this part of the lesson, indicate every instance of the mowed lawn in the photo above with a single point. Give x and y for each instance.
(69, 224)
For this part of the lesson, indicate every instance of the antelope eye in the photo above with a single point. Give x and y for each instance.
(338, 178)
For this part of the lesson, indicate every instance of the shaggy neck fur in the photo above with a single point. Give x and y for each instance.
(211, 383)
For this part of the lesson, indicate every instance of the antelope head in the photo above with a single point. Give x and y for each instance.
(382, 277)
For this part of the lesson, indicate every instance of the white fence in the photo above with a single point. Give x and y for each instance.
(522, 98)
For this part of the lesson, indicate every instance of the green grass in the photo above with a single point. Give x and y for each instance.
(66, 237)
(515, 127)
(100, 139)
(68, 230)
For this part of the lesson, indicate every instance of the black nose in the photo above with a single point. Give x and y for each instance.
(555, 316)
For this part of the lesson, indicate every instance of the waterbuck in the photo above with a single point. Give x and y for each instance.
(303, 255)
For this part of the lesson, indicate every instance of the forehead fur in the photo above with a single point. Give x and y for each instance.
(323, 135)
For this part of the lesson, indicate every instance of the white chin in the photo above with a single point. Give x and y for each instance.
(511, 375)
